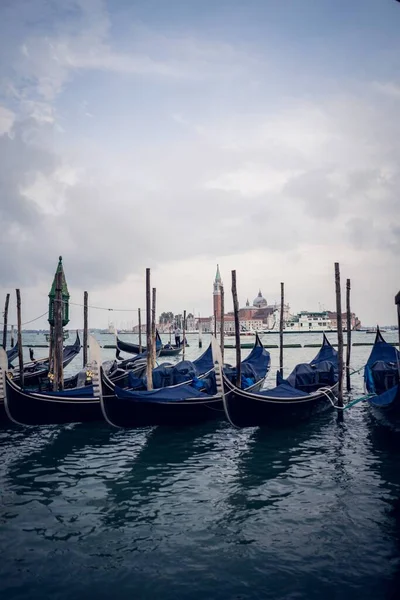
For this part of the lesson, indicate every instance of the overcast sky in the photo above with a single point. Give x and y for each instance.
(258, 134)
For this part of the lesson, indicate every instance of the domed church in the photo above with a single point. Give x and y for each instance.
(260, 301)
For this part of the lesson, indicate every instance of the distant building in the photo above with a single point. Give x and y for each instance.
(318, 321)
(262, 317)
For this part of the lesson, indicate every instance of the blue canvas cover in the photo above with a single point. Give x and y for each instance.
(386, 398)
(183, 371)
(381, 372)
(283, 390)
(178, 394)
(253, 368)
(307, 378)
(86, 391)
(259, 359)
(326, 353)
(204, 363)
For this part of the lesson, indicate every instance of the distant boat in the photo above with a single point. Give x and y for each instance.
(375, 330)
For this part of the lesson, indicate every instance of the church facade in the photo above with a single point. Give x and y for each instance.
(258, 316)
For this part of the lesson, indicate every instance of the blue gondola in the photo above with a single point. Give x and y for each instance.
(381, 377)
(310, 388)
(78, 404)
(189, 402)
(162, 350)
(37, 370)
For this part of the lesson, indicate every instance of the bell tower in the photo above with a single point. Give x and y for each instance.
(217, 295)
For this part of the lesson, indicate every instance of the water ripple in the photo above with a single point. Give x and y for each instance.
(207, 511)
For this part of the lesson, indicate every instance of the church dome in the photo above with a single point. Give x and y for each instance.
(260, 301)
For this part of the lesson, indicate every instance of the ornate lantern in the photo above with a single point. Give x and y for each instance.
(65, 297)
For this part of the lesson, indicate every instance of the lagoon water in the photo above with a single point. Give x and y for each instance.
(303, 512)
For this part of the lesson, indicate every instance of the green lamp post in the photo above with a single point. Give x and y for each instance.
(65, 296)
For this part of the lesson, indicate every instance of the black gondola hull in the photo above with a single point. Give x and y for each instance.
(3, 414)
(131, 348)
(249, 410)
(40, 409)
(135, 413)
(388, 415)
(127, 413)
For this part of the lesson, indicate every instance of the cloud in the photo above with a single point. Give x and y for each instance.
(185, 162)
(7, 118)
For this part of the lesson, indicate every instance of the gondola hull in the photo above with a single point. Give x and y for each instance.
(126, 413)
(244, 409)
(122, 412)
(131, 348)
(176, 405)
(3, 414)
(31, 408)
(387, 414)
(382, 381)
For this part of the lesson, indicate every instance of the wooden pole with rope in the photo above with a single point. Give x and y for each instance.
(85, 328)
(20, 354)
(149, 372)
(339, 333)
(5, 321)
(348, 332)
(237, 329)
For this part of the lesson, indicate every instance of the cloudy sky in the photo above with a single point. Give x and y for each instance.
(261, 135)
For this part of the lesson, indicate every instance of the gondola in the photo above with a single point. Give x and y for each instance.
(131, 373)
(37, 370)
(310, 388)
(3, 371)
(78, 403)
(74, 405)
(12, 353)
(163, 350)
(381, 378)
(185, 403)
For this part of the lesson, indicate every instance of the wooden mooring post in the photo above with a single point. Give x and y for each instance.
(149, 372)
(85, 328)
(19, 326)
(237, 329)
(281, 329)
(222, 326)
(184, 335)
(200, 336)
(153, 329)
(348, 328)
(140, 330)
(12, 336)
(397, 302)
(5, 321)
(58, 382)
(339, 333)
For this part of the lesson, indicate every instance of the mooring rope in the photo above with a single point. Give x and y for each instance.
(357, 371)
(326, 391)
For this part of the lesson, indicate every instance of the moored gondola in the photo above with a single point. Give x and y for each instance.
(381, 377)
(74, 405)
(310, 388)
(187, 402)
(162, 350)
(37, 370)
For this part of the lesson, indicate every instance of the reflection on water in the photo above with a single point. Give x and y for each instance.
(201, 512)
